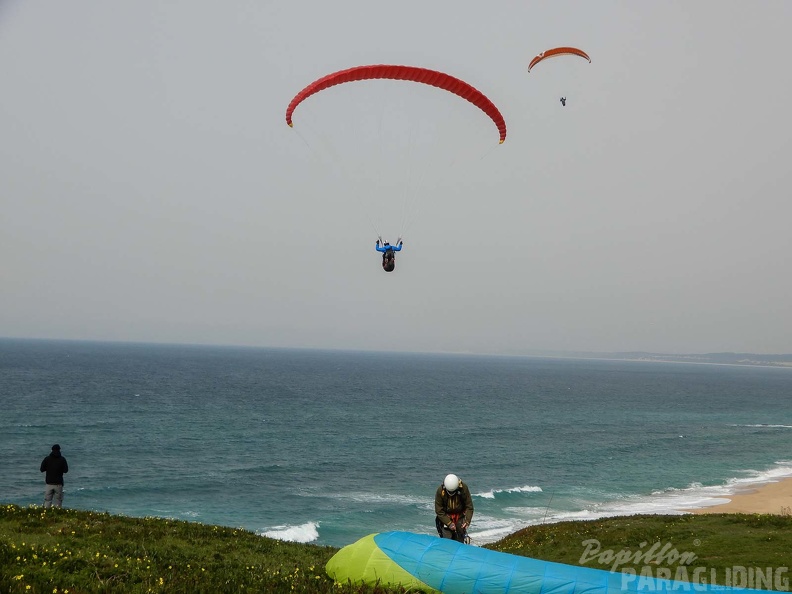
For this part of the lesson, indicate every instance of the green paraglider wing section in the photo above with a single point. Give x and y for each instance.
(365, 562)
(434, 564)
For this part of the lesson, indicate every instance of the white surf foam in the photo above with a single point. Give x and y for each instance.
(307, 532)
(669, 501)
(493, 492)
(381, 498)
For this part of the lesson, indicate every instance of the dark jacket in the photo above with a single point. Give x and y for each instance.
(459, 502)
(55, 466)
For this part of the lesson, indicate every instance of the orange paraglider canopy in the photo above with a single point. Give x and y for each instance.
(407, 73)
(558, 51)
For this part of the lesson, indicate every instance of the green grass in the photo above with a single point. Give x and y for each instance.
(718, 541)
(60, 550)
(63, 550)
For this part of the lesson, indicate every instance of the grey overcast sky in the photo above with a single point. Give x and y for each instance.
(150, 189)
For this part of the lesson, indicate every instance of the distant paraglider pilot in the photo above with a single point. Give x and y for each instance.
(563, 101)
(388, 253)
(454, 509)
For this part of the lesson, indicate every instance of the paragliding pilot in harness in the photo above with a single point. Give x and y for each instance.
(454, 509)
(388, 253)
(563, 101)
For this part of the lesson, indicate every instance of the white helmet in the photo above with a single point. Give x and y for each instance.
(451, 483)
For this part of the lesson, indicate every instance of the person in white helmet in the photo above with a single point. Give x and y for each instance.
(454, 509)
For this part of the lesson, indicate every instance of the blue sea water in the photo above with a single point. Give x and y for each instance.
(328, 446)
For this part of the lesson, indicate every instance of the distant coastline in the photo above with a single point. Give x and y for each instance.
(743, 359)
(746, 359)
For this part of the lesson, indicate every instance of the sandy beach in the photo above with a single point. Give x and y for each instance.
(770, 498)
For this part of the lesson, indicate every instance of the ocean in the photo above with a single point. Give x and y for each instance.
(329, 446)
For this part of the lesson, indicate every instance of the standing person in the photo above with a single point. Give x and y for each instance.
(55, 466)
(454, 509)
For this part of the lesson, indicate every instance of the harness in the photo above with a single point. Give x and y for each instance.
(456, 517)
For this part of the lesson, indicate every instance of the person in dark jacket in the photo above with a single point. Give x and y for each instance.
(55, 466)
(454, 509)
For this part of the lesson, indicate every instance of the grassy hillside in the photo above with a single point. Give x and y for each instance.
(62, 550)
(722, 543)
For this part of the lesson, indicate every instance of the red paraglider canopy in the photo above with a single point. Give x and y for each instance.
(408, 73)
